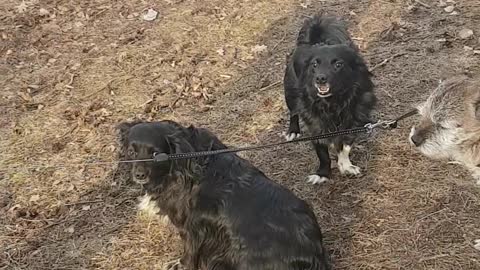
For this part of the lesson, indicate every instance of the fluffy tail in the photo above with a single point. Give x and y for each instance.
(323, 29)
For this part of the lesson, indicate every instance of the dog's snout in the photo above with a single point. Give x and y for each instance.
(417, 139)
(321, 78)
(140, 175)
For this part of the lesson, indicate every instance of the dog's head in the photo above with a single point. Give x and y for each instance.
(144, 140)
(330, 70)
(450, 113)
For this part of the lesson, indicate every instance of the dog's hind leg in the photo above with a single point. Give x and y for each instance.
(324, 169)
(344, 164)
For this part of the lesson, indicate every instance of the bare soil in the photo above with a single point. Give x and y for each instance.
(70, 71)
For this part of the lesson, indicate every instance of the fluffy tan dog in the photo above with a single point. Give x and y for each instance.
(449, 124)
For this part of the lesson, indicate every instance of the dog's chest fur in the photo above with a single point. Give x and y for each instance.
(327, 115)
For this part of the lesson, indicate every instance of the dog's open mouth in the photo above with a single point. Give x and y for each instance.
(323, 90)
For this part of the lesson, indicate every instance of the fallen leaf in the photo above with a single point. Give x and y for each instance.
(43, 12)
(221, 51)
(150, 15)
(70, 229)
(22, 7)
(34, 198)
(25, 96)
(449, 9)
(442, 3)
(86, 207)
(476, 51)
(259, 48)
(465, 33)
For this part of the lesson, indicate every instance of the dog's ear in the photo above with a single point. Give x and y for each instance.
(178, 143)
(122, 133)
(361, 66)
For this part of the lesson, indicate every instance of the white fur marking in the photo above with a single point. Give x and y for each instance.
(412, 132)
(148, 206)
(292, 136)
(344, 164)
(477, 244)
(316, 179)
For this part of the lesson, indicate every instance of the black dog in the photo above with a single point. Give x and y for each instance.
(328, 86)
(229, 214)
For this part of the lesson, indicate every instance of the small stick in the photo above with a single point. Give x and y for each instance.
(84, 202)
(270, 85)
(386, 61)
(421, 3)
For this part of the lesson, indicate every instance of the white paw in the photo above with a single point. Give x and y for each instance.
(316, 179)
(349, 169)
(292, 136)
(173, 265)
(476, 244)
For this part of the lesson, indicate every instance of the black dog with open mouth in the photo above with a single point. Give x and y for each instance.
(229, 214)
(328, 87)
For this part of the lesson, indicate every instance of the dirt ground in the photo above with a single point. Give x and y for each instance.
(70, 71)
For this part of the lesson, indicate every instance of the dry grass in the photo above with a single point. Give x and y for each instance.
(70, 76)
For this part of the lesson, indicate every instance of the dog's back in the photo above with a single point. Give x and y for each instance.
(266, 226)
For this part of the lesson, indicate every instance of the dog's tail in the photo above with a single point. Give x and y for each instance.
(322, 29)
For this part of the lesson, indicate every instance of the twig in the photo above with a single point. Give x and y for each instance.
(105, 86)
(421, 3)
(84, 202)
(384, 62)
(270, 86)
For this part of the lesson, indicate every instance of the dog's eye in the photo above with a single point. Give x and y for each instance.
(338, 64)
(155, 154)
(315, 64)
(131, 153)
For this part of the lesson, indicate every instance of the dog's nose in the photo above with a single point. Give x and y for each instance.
(322, 78)
(140, 175)
(417, 140)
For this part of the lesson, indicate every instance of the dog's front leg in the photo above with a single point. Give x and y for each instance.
(324, 168)
(344, 164)
(293, 128)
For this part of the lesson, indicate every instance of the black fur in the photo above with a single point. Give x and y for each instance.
(326, 58)
(229, 214)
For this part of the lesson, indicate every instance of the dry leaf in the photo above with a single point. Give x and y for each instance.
(34, 198)
(465, 33)
(22, 7)
(70, 229)
(150, 15)
(86, 207)
(221, 51)
(259, 48)
(449, 9)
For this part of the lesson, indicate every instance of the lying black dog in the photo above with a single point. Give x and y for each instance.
(229, 214)
(328, 86)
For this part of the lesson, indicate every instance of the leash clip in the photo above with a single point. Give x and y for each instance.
(387, 125)
(159, 157)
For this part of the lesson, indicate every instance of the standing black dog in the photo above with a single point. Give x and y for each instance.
(328, 86)
(229, 214)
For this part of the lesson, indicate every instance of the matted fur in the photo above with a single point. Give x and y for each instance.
(228, 213)
(328, 87)
(449, 123)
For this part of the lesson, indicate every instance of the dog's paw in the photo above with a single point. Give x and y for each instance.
(349, 169)
(292, 136)
(174, 265)
(316, 179)
(476, 244)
